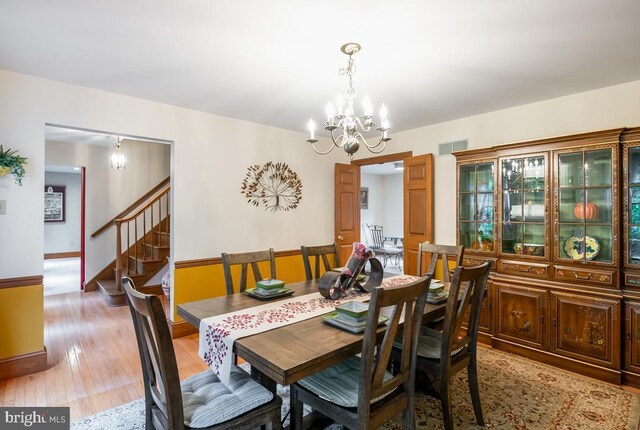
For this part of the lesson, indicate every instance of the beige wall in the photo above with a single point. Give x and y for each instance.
(210, 157)
(110, 191)
(64, 236)
(605, 108)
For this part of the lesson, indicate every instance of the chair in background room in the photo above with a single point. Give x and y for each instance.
(359, 392)
(444, 252)
(386, 252)
(245, 259)
(320, 252)
(443, 354)
(202, 400)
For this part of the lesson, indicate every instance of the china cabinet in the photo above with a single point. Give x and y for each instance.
(559, 219)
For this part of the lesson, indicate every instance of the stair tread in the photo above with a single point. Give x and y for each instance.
(147, 260)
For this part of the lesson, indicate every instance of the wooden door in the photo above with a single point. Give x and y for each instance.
(520, 314)
(632, 336)
(586, 328)
(418, 207)
(347, 208)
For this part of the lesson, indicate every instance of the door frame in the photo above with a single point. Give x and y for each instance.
(381, 159)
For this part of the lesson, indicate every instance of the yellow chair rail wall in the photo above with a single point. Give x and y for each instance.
(207, 281)
(21, 320)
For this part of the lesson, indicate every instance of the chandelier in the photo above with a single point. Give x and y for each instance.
(118, 159)
(342, 117)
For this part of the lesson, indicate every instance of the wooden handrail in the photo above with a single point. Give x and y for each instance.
(131, 207)
(140, 233)
(141, 209)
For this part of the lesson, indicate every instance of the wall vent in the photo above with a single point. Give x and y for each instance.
(449, 147)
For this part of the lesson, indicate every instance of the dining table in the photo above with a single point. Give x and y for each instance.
(289, 353)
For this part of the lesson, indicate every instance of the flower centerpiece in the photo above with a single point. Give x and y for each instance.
(12, 163)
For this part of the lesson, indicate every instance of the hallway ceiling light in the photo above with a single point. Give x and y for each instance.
(343, 117)
(118, 159)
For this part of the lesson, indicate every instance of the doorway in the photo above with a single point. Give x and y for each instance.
(417, 203)
(63, 229)
(381, 212)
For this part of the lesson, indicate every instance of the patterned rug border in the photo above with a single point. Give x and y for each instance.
(553, 410)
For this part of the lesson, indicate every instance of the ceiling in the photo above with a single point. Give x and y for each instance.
(54, 168)
(381, 169)
(275, 62)
(61, 134)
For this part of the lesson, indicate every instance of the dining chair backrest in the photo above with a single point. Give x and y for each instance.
(446, 253)
(464, 304)
(245, 259)
(320, 252)
(405, 301)
(377, 235)
(163, 395)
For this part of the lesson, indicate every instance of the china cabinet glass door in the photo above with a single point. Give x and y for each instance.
(584, 206)
(523, 205)
(475, 206)
(633, 181)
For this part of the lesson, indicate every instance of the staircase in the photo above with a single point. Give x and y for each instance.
(142, 248)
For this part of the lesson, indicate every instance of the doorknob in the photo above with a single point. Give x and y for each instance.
(340, 238)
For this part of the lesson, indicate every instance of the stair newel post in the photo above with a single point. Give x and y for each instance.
(118, 256)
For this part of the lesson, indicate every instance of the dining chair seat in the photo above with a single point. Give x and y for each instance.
(201, 401)
(430, 343)
(339, 384)
(207, 401)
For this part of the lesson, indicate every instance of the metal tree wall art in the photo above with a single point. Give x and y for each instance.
(274, 185)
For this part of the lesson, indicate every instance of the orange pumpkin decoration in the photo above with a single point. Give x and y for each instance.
(588, 211)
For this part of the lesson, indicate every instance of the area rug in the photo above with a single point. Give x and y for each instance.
(516, 393)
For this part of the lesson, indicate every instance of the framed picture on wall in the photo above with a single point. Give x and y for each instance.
(54, 201)
(364, 198)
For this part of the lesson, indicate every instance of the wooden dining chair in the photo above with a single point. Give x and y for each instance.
(359, 392)
(245, 259)
(320, 252)
(442, 252)
(443, 354)
(202, 400)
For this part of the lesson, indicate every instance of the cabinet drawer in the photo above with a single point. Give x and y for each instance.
(471, 261)
(604, 277)
(527, 269)
(632, 280)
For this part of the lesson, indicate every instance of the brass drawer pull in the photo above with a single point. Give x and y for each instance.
(575, 274)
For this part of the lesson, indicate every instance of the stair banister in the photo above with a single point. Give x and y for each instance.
(155, 203)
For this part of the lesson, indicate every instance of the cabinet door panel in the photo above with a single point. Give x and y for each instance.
(484, 325)
(520, 314)
(586, 328)
(632, 337)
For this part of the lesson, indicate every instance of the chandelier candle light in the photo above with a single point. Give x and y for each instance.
(343, 117)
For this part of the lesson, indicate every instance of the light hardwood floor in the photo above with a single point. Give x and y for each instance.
(93, 358)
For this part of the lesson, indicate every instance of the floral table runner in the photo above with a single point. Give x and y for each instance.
(218, 333)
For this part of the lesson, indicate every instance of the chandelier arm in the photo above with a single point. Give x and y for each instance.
(340, 139)
(313, 146)
(364, 127)
(364, 140)
(373, 150)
